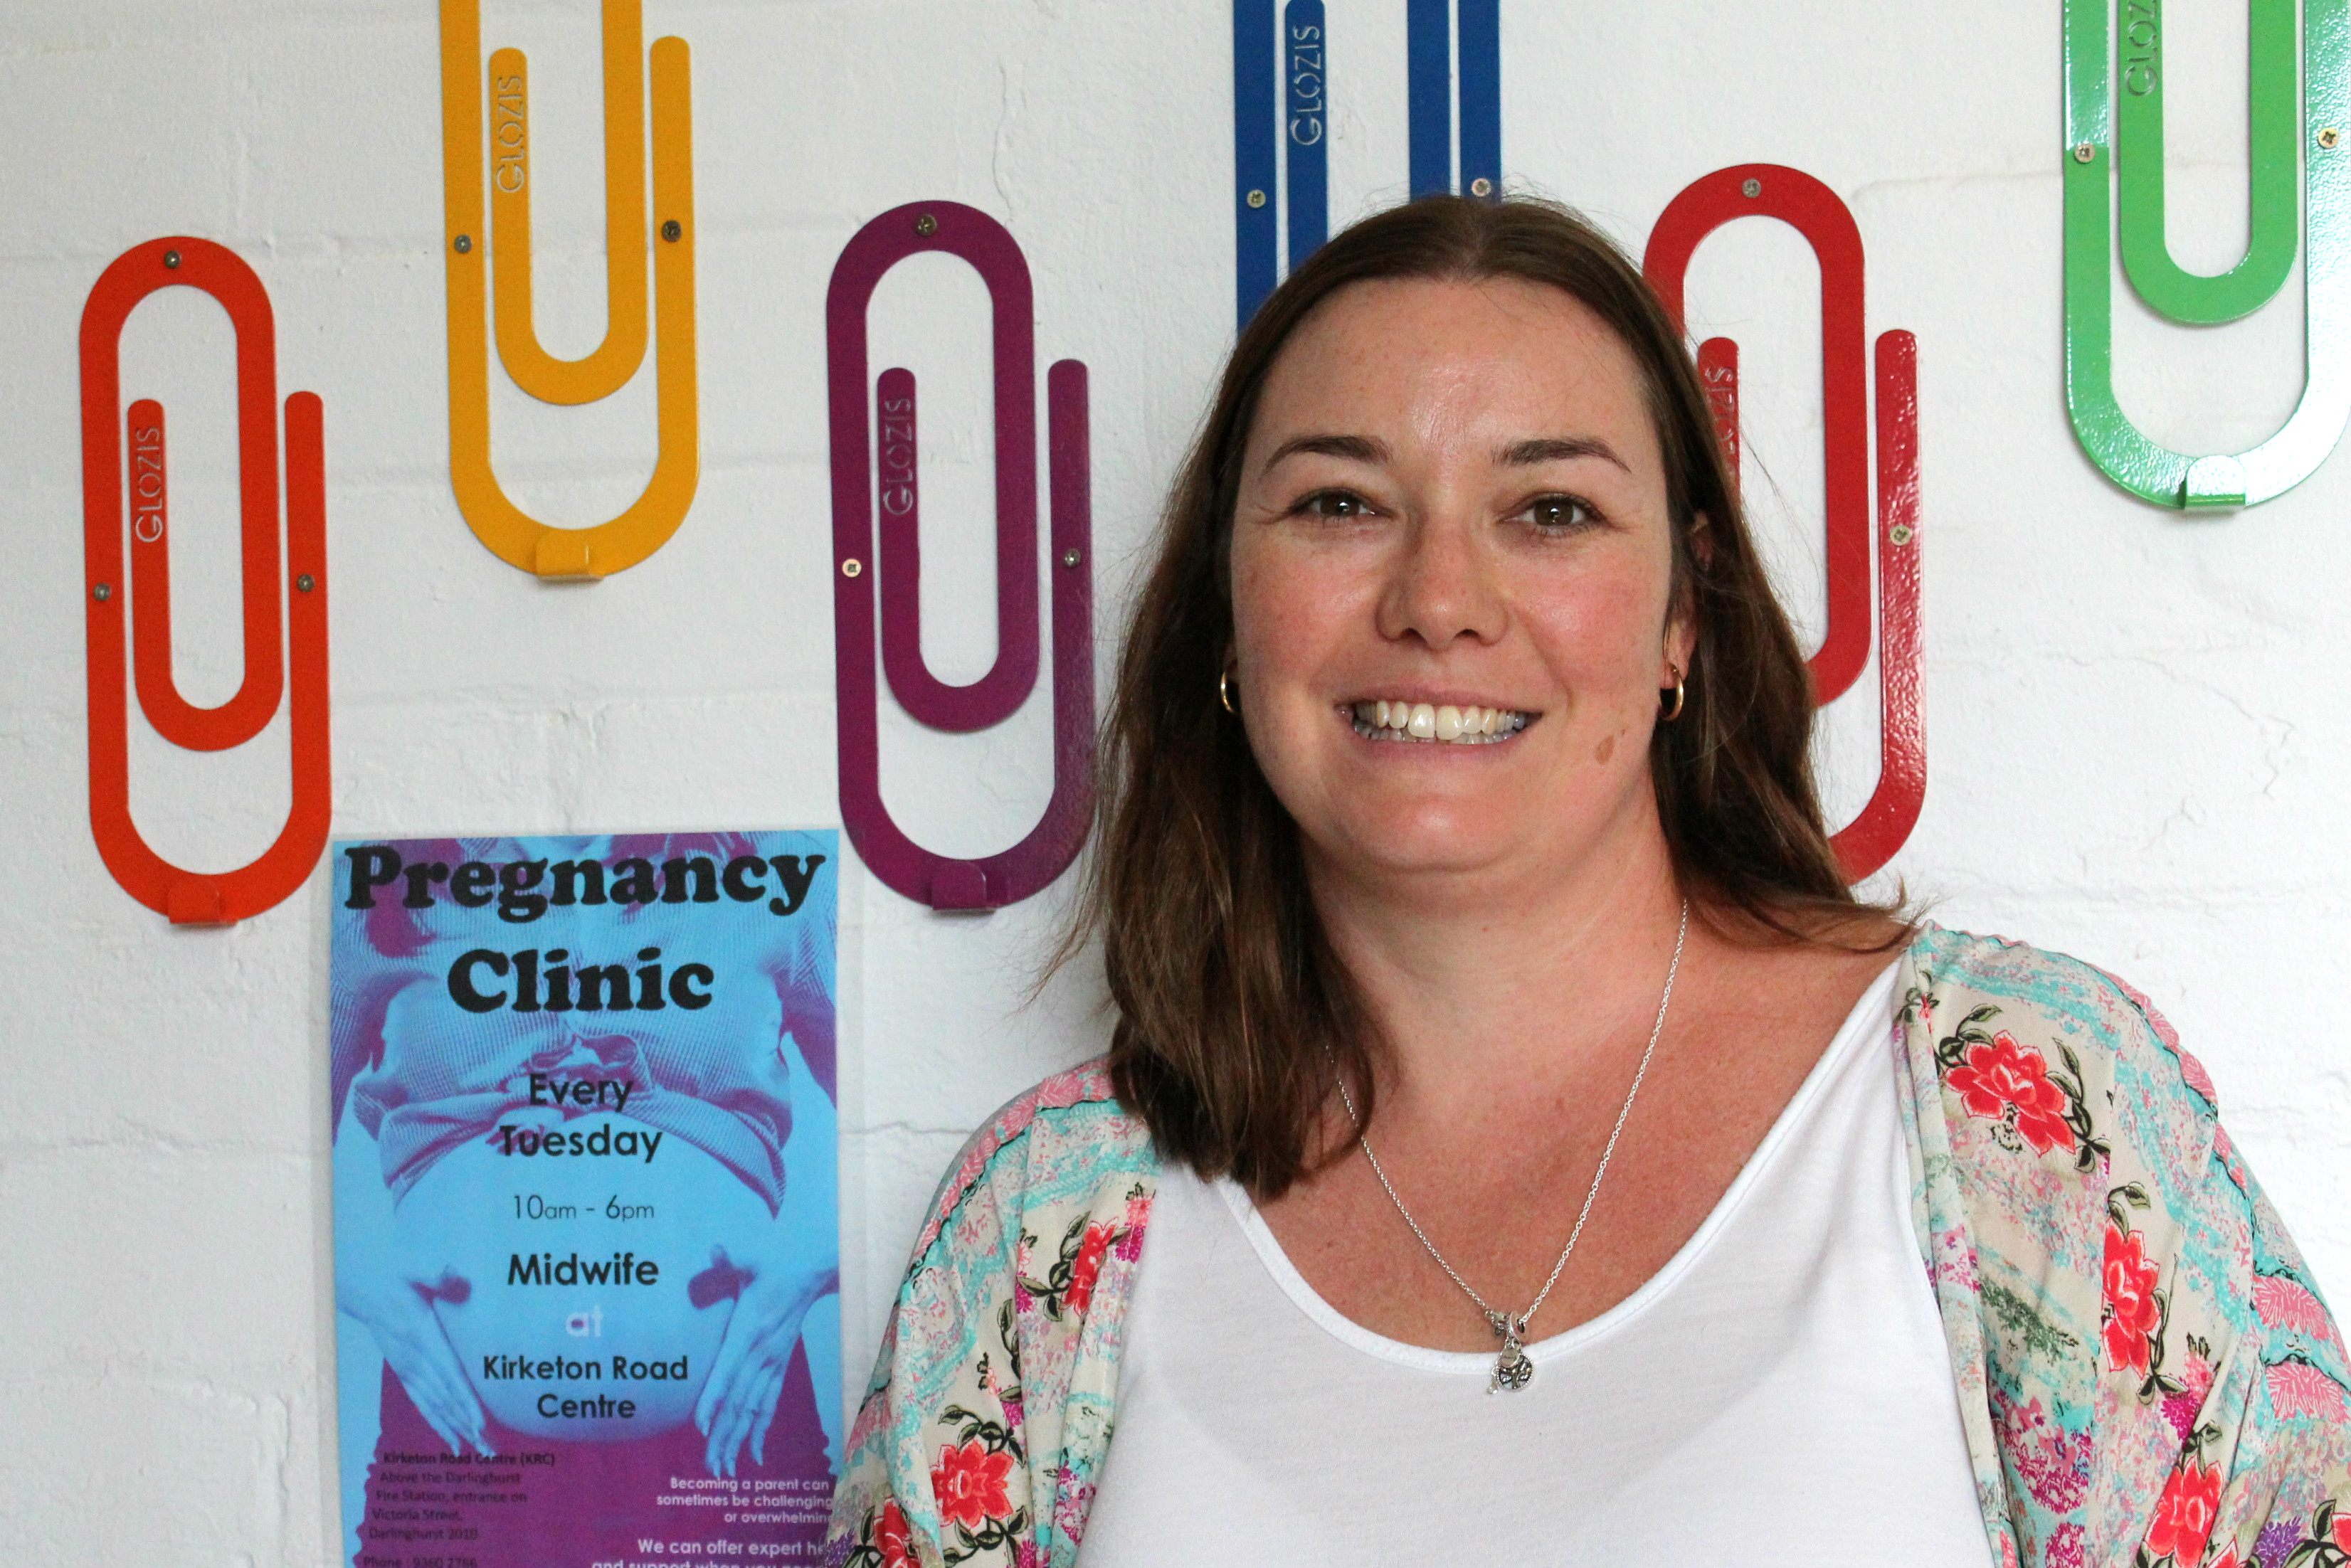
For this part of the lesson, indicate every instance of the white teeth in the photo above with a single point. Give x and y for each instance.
(1383, 718)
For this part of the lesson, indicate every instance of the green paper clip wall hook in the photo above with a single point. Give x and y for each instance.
(2125, 131)
(2274, 136)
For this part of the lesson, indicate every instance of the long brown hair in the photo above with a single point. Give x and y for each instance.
(1233, 1011)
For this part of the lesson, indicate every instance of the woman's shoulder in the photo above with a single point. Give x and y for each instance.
(1057, 1143)
(1974, 990)
(1007, 1321)
(2063, 1095)
(2033, 976)
(2116, 1287)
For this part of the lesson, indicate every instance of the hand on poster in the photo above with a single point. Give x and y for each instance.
(780, 1274)
(399, 1312)
(747, 1378)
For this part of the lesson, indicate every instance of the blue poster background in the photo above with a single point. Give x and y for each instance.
(587, 1241)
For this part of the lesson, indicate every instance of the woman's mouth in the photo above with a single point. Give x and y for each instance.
(1439, 723)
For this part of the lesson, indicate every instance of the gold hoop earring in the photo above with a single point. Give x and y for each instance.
(1675, 711)
(1224, 692)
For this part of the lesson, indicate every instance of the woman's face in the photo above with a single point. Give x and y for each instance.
(1453, 497)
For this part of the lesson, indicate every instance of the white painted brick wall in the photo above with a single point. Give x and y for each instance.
(2134, 721)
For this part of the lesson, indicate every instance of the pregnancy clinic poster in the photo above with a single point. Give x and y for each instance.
(587, 1244)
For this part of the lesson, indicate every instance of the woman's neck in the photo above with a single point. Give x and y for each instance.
(1486, 986)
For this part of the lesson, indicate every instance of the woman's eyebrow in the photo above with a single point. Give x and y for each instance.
(1558, 449)
(1356, 448)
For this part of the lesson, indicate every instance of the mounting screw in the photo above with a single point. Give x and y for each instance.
(1750, 187)
(1900, 533)
(1481, 186)
(2329, 137)
(2084, 154)
(171, 258)
(306, 583)
(103, 592)
(852, 566)
(673, 231)
(464, 244)
(1071, 558)
(927, 225)
(1256, 198)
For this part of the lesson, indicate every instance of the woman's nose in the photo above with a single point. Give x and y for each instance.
(1441, 585)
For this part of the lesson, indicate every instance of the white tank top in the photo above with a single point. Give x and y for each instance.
(1780, 1392)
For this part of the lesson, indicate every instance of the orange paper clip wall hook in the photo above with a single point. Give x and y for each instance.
(1770, 189)
(471, 254)
(192, 897)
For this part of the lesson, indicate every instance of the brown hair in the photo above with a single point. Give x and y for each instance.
(1233, 1011)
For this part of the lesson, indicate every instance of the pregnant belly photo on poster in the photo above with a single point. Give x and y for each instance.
(586, 1294)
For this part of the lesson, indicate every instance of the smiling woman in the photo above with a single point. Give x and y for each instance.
(1493, 1020)
(1440, 473)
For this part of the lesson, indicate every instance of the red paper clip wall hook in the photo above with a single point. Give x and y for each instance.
(943, 882)
(192, 897)
(1771, 190)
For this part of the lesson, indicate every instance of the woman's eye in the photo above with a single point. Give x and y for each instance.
(1559, 512)
(1332, 504)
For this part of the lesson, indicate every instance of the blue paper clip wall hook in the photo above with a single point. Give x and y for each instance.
(1282, 124)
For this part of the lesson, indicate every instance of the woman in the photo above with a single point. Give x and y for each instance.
(1516, 1145)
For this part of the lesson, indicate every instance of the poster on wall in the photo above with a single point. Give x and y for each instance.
(587, 1246)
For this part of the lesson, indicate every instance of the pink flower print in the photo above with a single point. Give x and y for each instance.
(1075, 1502)
(2196, 1373)
(2133, 1313)
(2182, 1407)
(2010, 1082)
(2298, 1389)
(894, 1540)
(1129, 1238)
(2184, 1515)
(2197, 1079)
(1087, 1268)
(973, 1485)
(2284, 1303)
(2053, 1464)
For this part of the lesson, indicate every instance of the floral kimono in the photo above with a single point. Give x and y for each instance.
(2146, 1373)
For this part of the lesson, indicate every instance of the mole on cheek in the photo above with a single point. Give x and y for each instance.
(1605, 749)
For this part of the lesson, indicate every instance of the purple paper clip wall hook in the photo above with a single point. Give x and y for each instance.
(944, 882)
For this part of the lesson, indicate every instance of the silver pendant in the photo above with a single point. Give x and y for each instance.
(1513, 1370)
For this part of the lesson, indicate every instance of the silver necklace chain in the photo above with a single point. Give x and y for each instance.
(1513, 1370)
